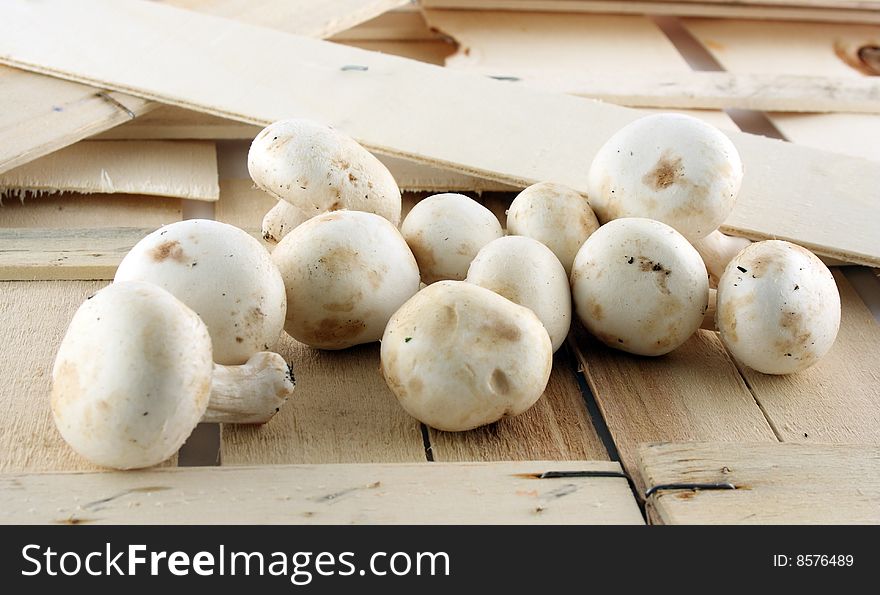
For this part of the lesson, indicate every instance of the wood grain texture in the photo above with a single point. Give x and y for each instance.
(184, 169)
(498, 493)
(89, 210)
(40, 114)
(341, 412)
(838, 399)
(557, 427)
(776, 483)
(167, 122)
(28, 254)
(489, 134)
(693, 393)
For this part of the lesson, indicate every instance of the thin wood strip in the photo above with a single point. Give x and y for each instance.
(693, 393)
(167, 122)
(489, 138)
(558, 427)
(71, 210)
(497, 493)
(184, 169)
(775, 483)
(41, 114)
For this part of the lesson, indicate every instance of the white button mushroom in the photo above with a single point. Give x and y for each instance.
(316, 168)
(345, 272)
(527, 273)
(669, 167)
(778, 308)
(639, 286)
(555, 215)
(280, 221)
(222, 273)
(134, 374)
(458, 356)
(445, 232)
(717, 250)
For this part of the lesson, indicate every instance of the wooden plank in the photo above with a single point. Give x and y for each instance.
(341, 412)
(167, 122)
(498, 493)
(776, 483)
(838, 399)
(35, 316)
(489, 134)
(558, 427)
(89, 210)
(184, 169)
(29, 254)
(693, 393)
(42, 114)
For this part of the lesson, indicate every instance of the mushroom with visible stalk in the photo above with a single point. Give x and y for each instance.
(526, 272)
(134, 374)
(445, 232)
(222, 273)
(280, 221)
(345, 273)
(557, 216)
(717, 250)
(458, 356)
(316, 169)
(778, 307)
(639, 286)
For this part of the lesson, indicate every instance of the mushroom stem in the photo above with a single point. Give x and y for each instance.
(280, 220)
(717, 250)
(250, 393)
(709, 316)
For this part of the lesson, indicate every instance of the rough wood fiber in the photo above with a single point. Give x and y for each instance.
(490, 134)
(341, 412)
(40, 114)
(499, 493)
(184, 169)
(558, 427)
(776, 483)
(89, 210)
(693, 393)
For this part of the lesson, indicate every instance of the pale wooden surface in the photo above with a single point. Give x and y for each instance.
(89, 210)
(776, 483)
(167, 122)
(242, 204)
(183, 169)
(838, 399)
(41, 114)
(28, 254)
(557, 427)
(693, 393)
(506, 493)
(561, 135)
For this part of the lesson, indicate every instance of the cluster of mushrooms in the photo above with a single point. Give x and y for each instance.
(184, 332)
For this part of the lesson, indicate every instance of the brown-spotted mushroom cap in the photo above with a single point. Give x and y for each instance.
(639, 286)
(670, 167)
(778, 308)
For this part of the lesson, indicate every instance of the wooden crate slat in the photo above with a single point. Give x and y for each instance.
(497, 493)
(776, 483)
(168, 122)
(71, 210)
(487, 140)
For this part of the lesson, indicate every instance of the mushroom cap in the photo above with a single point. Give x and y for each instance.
(526, 272)
(132, 377)
(669, 167)
(445, 232)
(222, 273)
(639, 286)
(778, 308)
(557, 216)
(458, 356)
(316, 168)
(345, 272)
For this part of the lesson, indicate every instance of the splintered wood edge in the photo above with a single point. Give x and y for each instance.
(743, 483)
(582, 492)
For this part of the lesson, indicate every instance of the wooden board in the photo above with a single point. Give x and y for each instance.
(184, 169)
(487, 140)
(89, 210)
(41, 114)
(693, 393)
(557, 427)
(167, 122)
(501, 493)
(776, 483)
